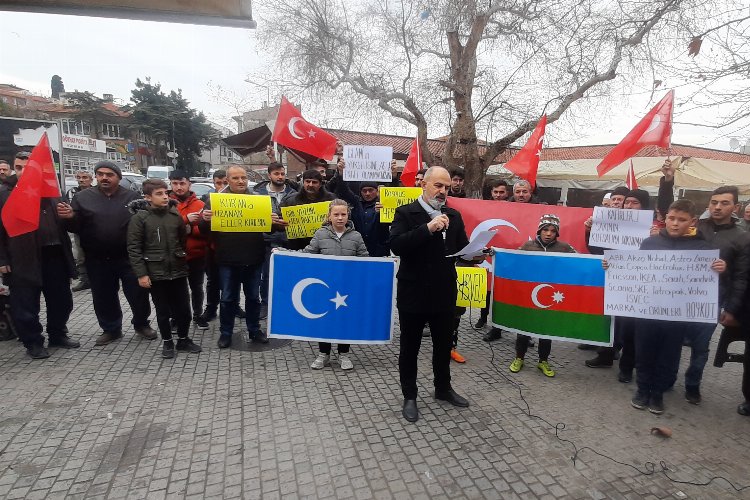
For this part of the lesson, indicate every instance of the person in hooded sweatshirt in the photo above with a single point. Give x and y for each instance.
(658, 343)
(547, 235)
(336, 237)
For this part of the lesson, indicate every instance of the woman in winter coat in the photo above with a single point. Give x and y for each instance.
(336, 237)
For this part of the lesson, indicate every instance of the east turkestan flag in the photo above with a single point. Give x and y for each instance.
(551, 295)
(349, 300)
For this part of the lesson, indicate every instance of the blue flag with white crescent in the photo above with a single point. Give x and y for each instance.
(348, 300)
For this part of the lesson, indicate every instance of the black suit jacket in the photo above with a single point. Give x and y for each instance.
(426, 277)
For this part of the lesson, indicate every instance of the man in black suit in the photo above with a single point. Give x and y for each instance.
(422, 234)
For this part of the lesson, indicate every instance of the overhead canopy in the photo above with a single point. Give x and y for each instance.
(256, 140)
(234, 13)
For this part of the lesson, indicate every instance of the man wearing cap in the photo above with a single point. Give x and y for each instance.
(38, 263)
(100, 217)
(312, 190)
(606, 201)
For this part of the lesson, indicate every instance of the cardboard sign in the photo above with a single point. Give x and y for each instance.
(472, 287)
(240, 213)
(620, 229)
(392, 198)
(368, 163)
(304, 220)
(662, 284)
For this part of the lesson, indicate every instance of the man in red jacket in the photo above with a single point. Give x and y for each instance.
(190, 207)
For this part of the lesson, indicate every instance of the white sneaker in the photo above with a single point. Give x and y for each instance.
(321, 361)
(345, 362)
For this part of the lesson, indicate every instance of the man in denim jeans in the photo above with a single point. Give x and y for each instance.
(240, 259)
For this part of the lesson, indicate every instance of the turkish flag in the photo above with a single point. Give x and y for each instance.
(293, 131)
(517, 223)
(526, 162)
(412, 165)
(655, 129)
(20, 214)
(630, 180)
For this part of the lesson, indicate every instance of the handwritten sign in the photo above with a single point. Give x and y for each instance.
(392, 198)
(620, 229)
(240, 213)
(304, 220)
(368, 163)
(472, 287)
(662, 284)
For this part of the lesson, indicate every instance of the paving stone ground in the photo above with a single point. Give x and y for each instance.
(120, 422)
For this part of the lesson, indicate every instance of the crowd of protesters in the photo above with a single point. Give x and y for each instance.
(159, 248)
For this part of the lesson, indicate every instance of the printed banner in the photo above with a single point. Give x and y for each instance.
(313, 297)
(551, 295)
(472, 287)
(391, 198)
(240, 213)
(662, 284)
(304, 220)
(368, 163)
(516, 223)
(620, 229)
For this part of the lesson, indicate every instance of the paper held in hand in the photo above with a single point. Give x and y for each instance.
(476, 247)
(368, 163)
(619, 228)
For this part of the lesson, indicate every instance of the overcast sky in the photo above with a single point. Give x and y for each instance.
(107, 55)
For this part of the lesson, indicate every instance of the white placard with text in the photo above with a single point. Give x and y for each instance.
(620, 229)
(368, 163)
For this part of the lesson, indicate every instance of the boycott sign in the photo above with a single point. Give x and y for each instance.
(368, 163)
(392, 198)
(304, 220)
(240, 213)
(620, 229)
(662, 284)
(472, 286)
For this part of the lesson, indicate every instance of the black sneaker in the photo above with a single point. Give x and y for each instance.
(64, 342)
(693, 395)
(201, 322)
(744, 409)
(259, 337)
(492, 335)
(188, 345)
(598, 362)
(37, 351)
(625, 377)
(167, 351)
(209, 315)
(640, 400)
(240, 313)
(656, 404)
(224, 341)
(481, 322)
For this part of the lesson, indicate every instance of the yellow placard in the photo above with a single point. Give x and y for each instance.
(240, 213)
(304, 220)
(472, 287)
(392, 198)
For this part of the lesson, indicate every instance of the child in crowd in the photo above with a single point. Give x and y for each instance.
(546, 241)
(336, 237)
(156, 247)
(658, 343)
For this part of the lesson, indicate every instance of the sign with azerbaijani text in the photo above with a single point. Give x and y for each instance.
(662, 284)
(472, 286)
(240, 213)
(620, 229)
(304, 220)
(368, 163)
(391, 198)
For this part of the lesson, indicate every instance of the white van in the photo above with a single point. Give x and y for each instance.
(159, 172)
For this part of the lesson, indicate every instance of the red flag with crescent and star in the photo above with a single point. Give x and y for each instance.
(293, 131)
(412, 165)
(20, 213)
(655, 129)
(525, 163)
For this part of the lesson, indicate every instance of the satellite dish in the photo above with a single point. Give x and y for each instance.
(734, 143)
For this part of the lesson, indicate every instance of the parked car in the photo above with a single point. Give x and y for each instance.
(131, 180)
(201, 188)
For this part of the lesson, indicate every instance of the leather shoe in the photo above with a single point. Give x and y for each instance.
(493, 334)
(744, 409)
(65, 342)
(410, 412)
(259, 338)
(108, 337)
(224, 341)
(37, 351)
(452, 397)
(146, 332)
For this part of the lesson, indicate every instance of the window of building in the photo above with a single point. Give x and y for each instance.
(72, 163)
(115, 156)
(75, 127)
(111, 131)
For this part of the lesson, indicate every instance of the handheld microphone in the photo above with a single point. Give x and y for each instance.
(443, 210)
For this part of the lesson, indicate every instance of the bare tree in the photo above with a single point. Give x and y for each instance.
(485, 67)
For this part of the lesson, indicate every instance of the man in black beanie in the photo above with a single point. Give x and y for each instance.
(636, 199)
(100, 217)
